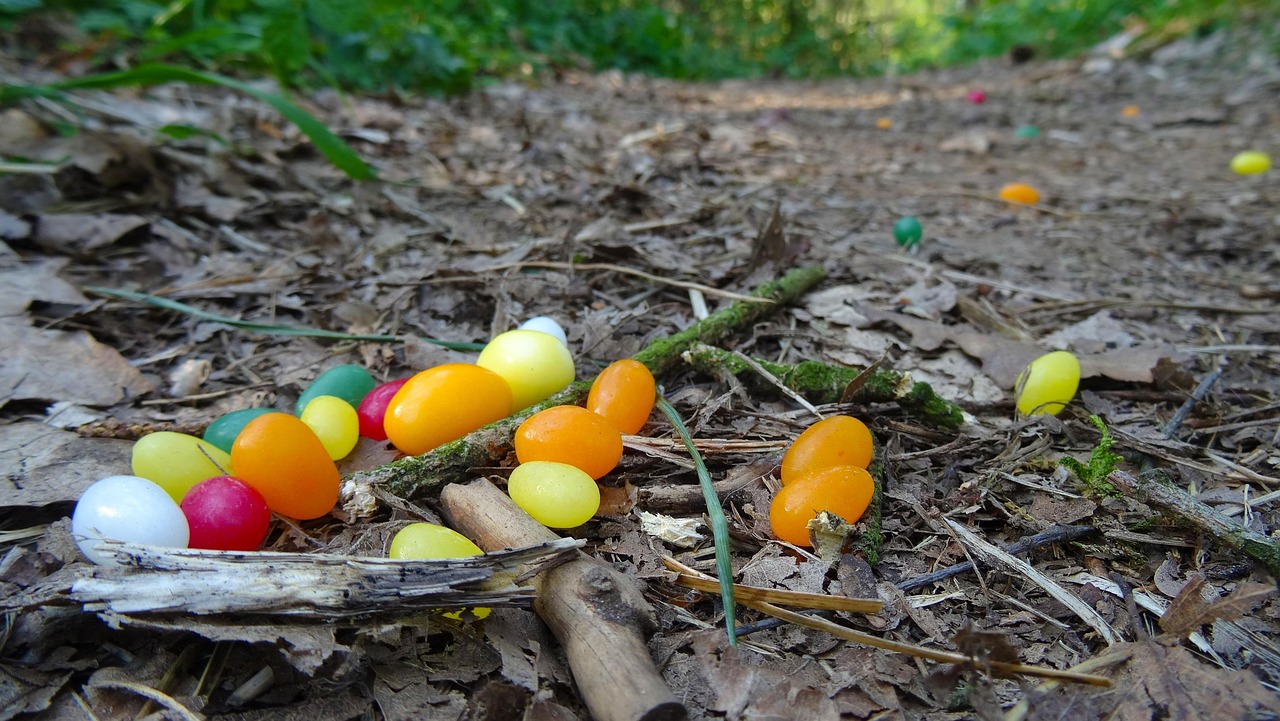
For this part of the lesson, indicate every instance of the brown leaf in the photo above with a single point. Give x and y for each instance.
(1191, 610)
(43, 465)
(80, 233)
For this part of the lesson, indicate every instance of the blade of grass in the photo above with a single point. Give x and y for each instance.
(330, 145)
(719, 526)
(267, 328)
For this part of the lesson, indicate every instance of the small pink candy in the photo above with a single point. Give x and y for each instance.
(374, 408)
(977, 97)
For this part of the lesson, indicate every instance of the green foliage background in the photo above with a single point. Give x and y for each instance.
(446, 46)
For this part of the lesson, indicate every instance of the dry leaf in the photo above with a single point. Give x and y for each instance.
(1191, 610)
(43, 465)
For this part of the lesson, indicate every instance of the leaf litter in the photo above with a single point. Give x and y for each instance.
(515, 201)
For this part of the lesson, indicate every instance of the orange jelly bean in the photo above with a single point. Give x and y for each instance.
(834, 441)
(624, 393)
(443, 404)
(1020, 193)
(283, 459)
(570, 435)
(844, 490)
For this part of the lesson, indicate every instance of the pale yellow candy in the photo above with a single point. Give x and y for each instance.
(536, 365)
(335, 423)
(1048, 384)
(424, 541)
(1251, 162)
(177, 461)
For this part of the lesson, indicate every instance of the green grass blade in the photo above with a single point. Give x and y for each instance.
(719, 526)
(330, 145)
(267, 328)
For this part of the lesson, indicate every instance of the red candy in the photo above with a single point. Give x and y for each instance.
(977, 97)
(226, 514)
(373, 409)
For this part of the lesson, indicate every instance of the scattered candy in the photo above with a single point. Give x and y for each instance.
(177, 461)
(281, 457)
(226, 514)
(571, 435)
(1251, 162)
(977, 97)
(1048, 384)
(351, 383)
(447, 402)
(373, 409)
(126, 508)
(1131, 111)
(843, 490)
(335, 423)
(1027, 131)
(548, 325)
(1020, 193)
(884, 124)
(223, 431)
(907, 232)
(624, 393)
(834, 441)
(537, 365)
(557, 495)
(427, 541)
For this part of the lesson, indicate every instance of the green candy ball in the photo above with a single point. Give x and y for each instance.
(907, 231)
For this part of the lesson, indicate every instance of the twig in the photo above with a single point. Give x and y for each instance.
(1156, 490)
(705, 289)
(773, 380)
(1198, 395)
(994, 555)
(1054, 534)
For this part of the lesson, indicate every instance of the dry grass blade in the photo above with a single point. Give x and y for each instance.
(995, 555)
(158, 697)
(797, 599)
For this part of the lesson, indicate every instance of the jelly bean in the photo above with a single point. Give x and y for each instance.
(907, 231)
(548, 325)
(1027, 131)
(126, 508)
(834, 441)
(977, 97)
(624, 393)
(335, 423)
(1020, 193)
(427, 541)
(281, 457)
(222, 432)
(445, 403)
(177, 461)
(226, 514)
(351, 383)
(842, 490)
(1251, 162)
(537, 365)
(1048, 384)
(1131, 111)
(572, 435)
(374, 408)
(884, 123)
(557, 495)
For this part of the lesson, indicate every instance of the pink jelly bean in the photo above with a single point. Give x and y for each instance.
(226, 514)
(977, 97)
(374, 408)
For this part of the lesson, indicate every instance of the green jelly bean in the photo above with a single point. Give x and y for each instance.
(907, 231)
(351, 383)
(222, 432)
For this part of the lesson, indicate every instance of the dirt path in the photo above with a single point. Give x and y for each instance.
(1146, 256)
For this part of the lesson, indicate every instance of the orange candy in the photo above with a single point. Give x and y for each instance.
(570, 435)
(443, 404)
(1020, 193)
(283, 459)
(834, 441)
(624, 393)
(844, 490)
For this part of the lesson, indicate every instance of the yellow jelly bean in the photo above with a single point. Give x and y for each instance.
(1048, 384)
(177, 461)
(1251, 162)
(335, 423)
(557, 495)
(536, 365)
(425, 541)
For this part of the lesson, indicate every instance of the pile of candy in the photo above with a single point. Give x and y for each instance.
(825, 469)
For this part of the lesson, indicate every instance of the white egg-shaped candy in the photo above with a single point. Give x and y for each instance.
(126, 508)
(545, 324)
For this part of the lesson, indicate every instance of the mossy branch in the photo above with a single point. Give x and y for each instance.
(823, 383)
(425, 475)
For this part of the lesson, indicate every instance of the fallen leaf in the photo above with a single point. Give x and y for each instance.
(81, 233)
(43, 465)
(1191, 609)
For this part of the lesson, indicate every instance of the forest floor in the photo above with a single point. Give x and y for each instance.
(1146, 257)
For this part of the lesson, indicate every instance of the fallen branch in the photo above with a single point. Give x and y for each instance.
(1156, 490)
(598, 614)
(822, 383)
(425, 475)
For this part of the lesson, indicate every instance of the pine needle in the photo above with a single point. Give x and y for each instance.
(719, 526)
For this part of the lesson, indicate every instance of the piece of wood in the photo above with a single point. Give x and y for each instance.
(599, 615)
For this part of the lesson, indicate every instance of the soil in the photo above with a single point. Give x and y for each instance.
(1145, 256)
